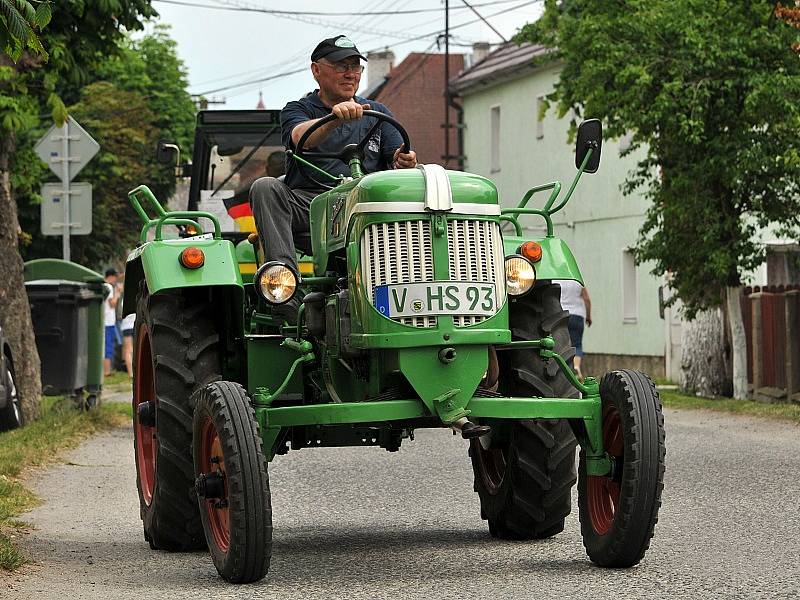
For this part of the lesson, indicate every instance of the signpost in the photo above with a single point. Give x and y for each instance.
(66, 150)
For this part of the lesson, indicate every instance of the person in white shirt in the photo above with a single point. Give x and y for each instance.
(127, 341)
(575, 300)
(111, 317)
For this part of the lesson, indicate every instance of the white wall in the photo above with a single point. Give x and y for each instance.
(598, 223)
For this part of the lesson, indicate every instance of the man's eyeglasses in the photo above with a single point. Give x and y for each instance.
(344, 68)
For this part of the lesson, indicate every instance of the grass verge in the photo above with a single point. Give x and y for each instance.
(40, 443)
(782, 412)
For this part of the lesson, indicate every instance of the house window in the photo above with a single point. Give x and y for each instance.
(630, 308)
(495, 125)
(540, 108)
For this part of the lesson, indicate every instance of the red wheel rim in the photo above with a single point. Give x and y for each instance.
(603, 492)
(213, 461)
(144, 390)
(492, 466)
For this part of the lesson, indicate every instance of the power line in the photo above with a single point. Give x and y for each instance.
(412, 39)
(472, 8)
(310, 13)
(262, 80)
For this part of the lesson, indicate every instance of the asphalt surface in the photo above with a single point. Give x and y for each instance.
(363, 523)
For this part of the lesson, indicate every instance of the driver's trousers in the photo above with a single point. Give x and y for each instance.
(281, 216)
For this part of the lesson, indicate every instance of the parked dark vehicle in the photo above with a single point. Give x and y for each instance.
(10, 413)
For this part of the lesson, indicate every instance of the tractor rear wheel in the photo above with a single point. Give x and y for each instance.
(618, 512)
(525, 470)
(175, 354)
(232, 483)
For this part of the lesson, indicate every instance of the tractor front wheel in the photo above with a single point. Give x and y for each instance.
(618, 512)
(232, 483)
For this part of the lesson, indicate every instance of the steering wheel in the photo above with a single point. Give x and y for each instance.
(350, 151)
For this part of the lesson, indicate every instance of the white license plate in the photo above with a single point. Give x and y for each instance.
(436, 298)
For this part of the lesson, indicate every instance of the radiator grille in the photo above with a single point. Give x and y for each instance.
(476, 254)
(397, 253)
(402, 253)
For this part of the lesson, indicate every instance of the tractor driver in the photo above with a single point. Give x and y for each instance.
(281, 208)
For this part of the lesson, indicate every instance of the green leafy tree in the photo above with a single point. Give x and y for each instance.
(142, 98)
(20, 22)
(709, 90)
(45, 55)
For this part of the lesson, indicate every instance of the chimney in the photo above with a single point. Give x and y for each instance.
(378, 66)
(480, 50)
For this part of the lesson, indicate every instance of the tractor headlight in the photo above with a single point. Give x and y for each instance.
(276, 282)
(520, 275)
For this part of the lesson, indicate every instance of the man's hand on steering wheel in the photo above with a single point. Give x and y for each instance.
(404, 160)
(349, 110)
(352, 110)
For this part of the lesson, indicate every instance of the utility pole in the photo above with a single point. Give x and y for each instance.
(446, 82)
(449, 103)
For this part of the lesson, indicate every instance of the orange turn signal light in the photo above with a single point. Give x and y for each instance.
(191, 230)
(192, 258)
(532, 251)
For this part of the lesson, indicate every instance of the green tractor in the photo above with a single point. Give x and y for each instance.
(418, 311)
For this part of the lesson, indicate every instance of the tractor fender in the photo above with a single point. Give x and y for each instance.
(557, 261)
(158, 263)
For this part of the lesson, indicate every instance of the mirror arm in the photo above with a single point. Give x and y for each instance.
(555, 186)
(574, 181)
(512, 214)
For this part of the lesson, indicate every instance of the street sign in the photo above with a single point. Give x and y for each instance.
(80, 208)
(66, 150)
(82, 148)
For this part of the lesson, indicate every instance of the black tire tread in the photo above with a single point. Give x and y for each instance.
(643, 472)
(8, 418)
(535, 496)
(172, 520)
(248, 556)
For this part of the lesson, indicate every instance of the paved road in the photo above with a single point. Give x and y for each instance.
(363, 523)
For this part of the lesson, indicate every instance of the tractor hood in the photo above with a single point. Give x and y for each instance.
(414, 185)
(422, 190)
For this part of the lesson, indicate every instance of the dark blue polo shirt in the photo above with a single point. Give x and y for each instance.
(379, 151)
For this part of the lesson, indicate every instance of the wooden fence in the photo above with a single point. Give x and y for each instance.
(772, 324)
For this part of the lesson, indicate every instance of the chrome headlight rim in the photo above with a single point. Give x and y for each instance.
(505, 271)
(262, 271)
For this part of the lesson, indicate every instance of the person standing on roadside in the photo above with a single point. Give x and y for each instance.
(111, 317)
(127, 341)
(575, 300)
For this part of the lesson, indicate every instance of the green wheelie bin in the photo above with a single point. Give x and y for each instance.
(67, 305)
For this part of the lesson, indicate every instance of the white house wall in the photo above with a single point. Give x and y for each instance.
(598, 223)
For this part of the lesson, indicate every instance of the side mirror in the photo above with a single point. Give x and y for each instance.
(167, 151)
(590, 136)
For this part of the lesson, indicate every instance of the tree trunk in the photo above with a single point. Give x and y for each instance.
(703, 369)
(15, 312)
(738, 342)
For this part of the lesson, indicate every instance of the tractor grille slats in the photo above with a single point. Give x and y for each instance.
(397, 253)
(476, 254)
(402, 252)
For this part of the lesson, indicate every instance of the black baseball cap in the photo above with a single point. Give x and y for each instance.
(335, 49)
(111, 271)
